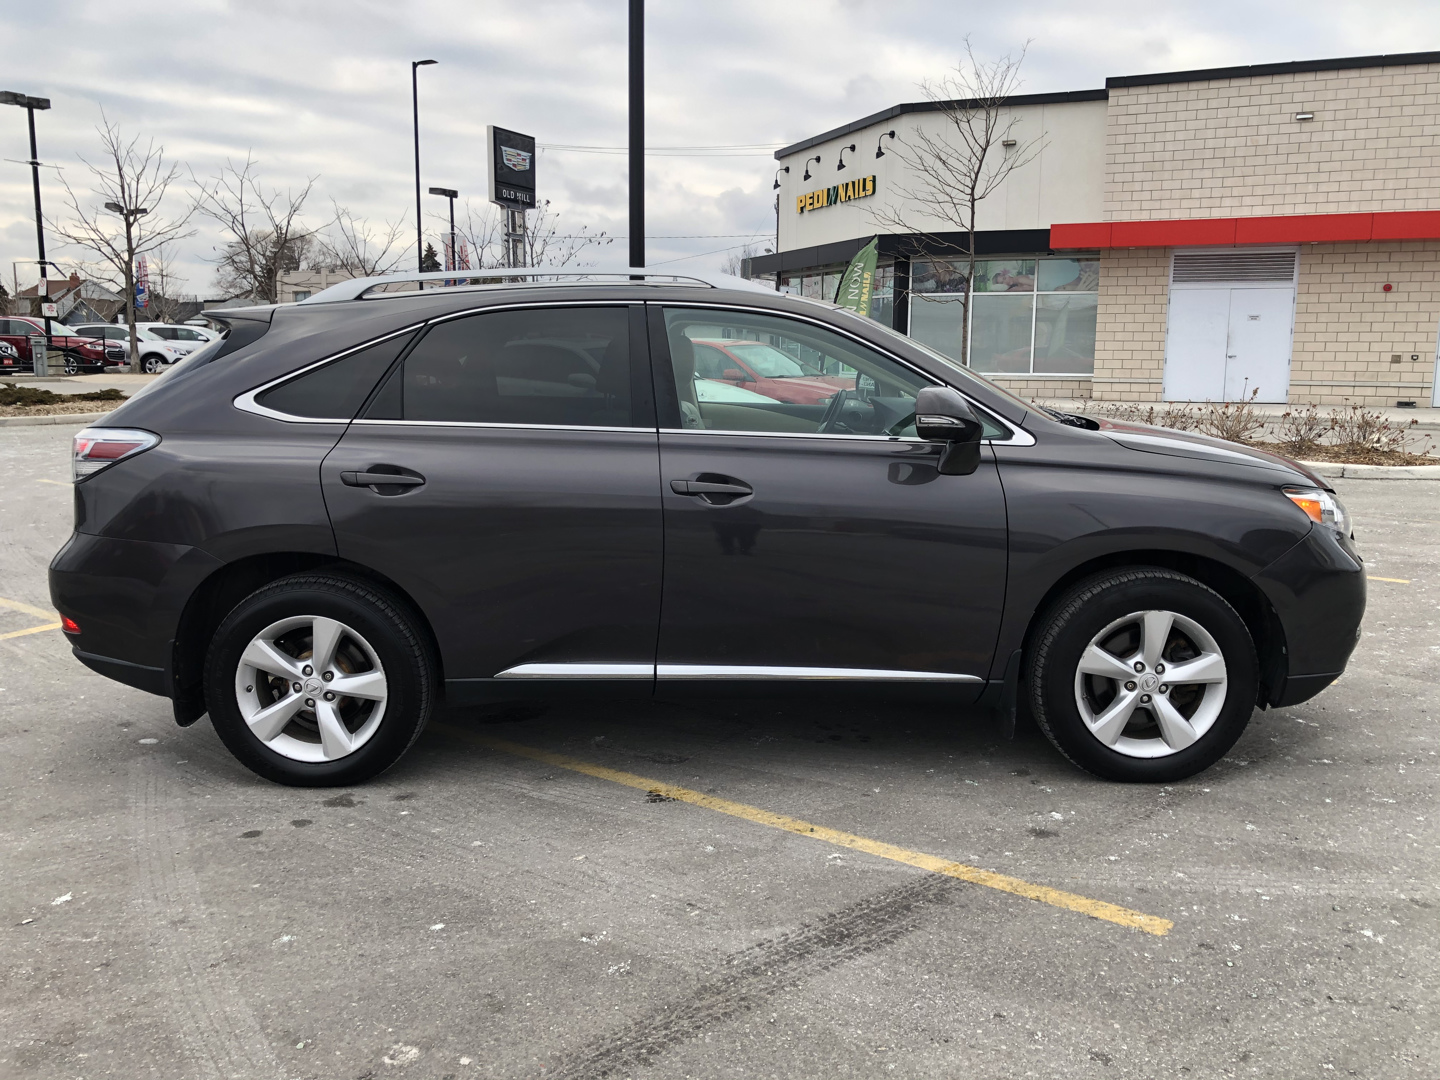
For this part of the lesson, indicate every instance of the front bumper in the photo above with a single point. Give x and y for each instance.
(1317, 589)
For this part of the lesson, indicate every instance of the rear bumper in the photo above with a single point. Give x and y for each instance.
(1317, 589)
(127, 596)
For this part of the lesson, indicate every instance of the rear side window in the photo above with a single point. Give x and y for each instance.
(338, 389)
(554, 366)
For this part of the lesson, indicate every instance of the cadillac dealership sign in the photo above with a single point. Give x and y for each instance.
(512, 168)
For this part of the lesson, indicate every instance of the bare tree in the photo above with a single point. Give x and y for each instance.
(123, 217)
(956, 166)
(354, 246)
(165, 286)
(545, 244)
(734, 263)
(267, 236)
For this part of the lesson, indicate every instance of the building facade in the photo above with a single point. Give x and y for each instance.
(1268, 232)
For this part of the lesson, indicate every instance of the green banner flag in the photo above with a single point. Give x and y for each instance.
(858, 281)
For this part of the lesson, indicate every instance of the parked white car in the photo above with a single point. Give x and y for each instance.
(156, 352)
(193, 335)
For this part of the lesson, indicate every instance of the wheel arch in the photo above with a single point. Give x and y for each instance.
(1249, 602)
(217, 595)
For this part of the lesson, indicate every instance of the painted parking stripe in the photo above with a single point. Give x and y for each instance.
(1099, 909)
(28, 609)
(1392, 580)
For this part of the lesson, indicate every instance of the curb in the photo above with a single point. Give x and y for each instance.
(1337, 470)
(57, 418)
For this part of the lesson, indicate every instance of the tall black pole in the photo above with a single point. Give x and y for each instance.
(39, 220)
(637, 132)
(454, 254)
(415, 104)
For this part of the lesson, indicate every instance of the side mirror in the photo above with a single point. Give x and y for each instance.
(735, 375)
(942, 415)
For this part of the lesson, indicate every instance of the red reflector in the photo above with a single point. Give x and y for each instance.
(69, 625)
(110, 450)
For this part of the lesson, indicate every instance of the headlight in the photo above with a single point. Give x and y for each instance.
(1321, 507)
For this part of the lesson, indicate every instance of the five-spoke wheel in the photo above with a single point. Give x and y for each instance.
(1142, 674)
(320, 679)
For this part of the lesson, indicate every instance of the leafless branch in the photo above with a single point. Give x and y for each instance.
(354, 246)
(135, 179)
(956, 167)
(267, 235)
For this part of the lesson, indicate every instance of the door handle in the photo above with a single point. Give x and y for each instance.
(705, 487)
(376, 480)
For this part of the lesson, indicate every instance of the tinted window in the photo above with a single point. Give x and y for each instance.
(566, 366)
(815, 381)
(337, 390)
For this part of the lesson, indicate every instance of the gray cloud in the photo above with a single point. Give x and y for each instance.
(322, 89)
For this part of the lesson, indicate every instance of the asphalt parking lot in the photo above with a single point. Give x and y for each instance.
(610, 890)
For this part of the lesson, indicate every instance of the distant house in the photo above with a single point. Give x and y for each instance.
(79, 301)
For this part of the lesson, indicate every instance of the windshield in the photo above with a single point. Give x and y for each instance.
(769, 362)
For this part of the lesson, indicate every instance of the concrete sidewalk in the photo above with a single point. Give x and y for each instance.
(1426, 419)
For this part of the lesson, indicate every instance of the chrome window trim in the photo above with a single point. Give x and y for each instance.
(772, 672)
(1018, 436)
(246, 402)
(491, 424)
(766, 672)
(578, 671)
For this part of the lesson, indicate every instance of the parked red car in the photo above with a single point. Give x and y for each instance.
(76, 354)
(766, 370)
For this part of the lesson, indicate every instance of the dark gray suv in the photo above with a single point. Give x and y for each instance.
(350, 510)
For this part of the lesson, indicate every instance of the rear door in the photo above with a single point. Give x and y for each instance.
(818, 541)
(524, 517)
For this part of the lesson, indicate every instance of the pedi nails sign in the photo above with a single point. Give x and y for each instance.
(852, 189)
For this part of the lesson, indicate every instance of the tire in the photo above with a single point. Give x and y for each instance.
(1128, 724)
(259, 654)
(72, 366)
(153, 365)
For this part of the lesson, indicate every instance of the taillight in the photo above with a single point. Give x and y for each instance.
(69, 625)
(98, 448)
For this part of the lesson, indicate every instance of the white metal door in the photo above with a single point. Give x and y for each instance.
(1258, 354)
(1195, 344)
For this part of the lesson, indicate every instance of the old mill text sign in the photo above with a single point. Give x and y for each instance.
(852, 189)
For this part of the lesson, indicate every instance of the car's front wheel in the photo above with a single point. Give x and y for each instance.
(319, 680)
(72, 366)
(154, 365)
(1143, 675)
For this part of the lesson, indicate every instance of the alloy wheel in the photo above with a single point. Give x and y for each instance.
(1151, 684)
(311, 689)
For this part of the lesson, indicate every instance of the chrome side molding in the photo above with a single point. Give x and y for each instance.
(726, 671)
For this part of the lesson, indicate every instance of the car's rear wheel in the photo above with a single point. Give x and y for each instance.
(1143, 675)
(319, 680)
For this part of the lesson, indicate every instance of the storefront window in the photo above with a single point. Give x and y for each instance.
(1032, 315)
(882, 296)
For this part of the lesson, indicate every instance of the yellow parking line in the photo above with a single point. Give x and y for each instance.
(1392, 580)
(32, 630)
(16, 605)
(1099, 909)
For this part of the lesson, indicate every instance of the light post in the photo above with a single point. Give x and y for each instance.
(30, 104)
(637, 132)
(415, 66)
(452, 195)
(130, 215)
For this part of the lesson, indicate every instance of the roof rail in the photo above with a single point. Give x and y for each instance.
(357, 288)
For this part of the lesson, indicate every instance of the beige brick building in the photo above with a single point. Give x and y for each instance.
(1269, 231)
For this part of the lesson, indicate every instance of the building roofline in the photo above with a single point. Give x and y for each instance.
(1291, 67)
(935, 106)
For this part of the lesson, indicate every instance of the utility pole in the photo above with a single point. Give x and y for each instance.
(415, 66)
(637, 132)
(30, 104)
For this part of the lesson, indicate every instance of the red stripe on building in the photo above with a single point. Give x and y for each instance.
(1286, 229)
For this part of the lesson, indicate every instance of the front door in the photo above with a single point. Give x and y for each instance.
(524, 517)
(818, 541)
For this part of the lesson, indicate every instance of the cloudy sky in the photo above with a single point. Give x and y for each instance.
(322, 89)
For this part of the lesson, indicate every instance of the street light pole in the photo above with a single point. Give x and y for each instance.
(637, 132)
(30, 104)
(415, 66)
(452, 195)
